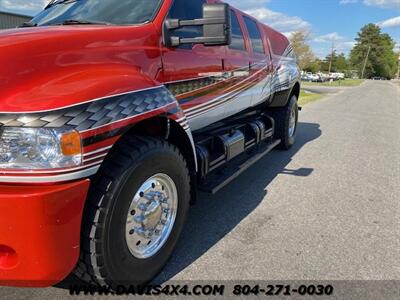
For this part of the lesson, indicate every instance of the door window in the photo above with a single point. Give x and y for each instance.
(255, 36)
(237, 34)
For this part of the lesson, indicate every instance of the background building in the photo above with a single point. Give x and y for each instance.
(12, 20)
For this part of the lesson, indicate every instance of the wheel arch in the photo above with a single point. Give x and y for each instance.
(295, 91)
(172, 131)
(282, 98)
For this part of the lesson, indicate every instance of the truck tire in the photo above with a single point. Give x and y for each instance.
(286, 119)
(135, 213)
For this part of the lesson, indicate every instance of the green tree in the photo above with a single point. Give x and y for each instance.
(314, 66)
(339, 63)
(331, 57)
(374, 53)
(303, 51)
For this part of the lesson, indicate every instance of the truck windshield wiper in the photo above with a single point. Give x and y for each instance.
(82, 22)
(28, 24)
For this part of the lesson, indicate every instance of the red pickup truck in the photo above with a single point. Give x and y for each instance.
(113, 114)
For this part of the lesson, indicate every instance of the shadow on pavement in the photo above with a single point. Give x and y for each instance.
(214, 216)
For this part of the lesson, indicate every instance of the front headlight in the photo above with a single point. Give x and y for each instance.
(39, 148)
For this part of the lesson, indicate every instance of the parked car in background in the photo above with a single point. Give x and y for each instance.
(321, 77)
(310, 77)
(337, 76)
(305, 77)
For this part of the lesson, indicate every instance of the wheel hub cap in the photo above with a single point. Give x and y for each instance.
(292, 122)
(151, 216)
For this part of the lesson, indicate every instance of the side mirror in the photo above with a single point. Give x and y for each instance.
(216, 23)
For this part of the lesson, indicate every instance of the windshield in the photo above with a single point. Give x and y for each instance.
(118, 12)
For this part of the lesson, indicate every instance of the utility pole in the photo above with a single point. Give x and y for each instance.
(331, 60)
(365, 62)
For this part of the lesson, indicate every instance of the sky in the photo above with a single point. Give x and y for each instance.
(324, 21)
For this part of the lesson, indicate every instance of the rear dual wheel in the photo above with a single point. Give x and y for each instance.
(286, 121)
(136, 211)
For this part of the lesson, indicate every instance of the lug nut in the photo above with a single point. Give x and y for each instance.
(131, 232)
(133, 212)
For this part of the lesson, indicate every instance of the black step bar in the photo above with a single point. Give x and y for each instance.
(218, 179)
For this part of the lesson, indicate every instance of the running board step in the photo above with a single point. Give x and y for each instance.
(220, 178)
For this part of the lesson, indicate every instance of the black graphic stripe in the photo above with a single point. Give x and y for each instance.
(93, 114)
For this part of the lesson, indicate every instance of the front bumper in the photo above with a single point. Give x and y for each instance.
(40, 232)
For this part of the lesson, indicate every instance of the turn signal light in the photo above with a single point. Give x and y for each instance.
(71, 143)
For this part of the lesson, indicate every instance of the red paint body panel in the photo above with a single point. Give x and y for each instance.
(53, 67)
(42, 226)
(278, 41)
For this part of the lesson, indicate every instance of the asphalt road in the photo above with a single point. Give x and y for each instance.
(327, 209)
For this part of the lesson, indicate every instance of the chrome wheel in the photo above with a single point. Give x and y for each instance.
(151, 216)
(292, 121)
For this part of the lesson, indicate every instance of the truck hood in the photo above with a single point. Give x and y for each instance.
(46, 68)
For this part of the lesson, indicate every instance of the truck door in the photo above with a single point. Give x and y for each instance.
(237, 66)
(260, 61)
(248, 64)
(193, 73)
